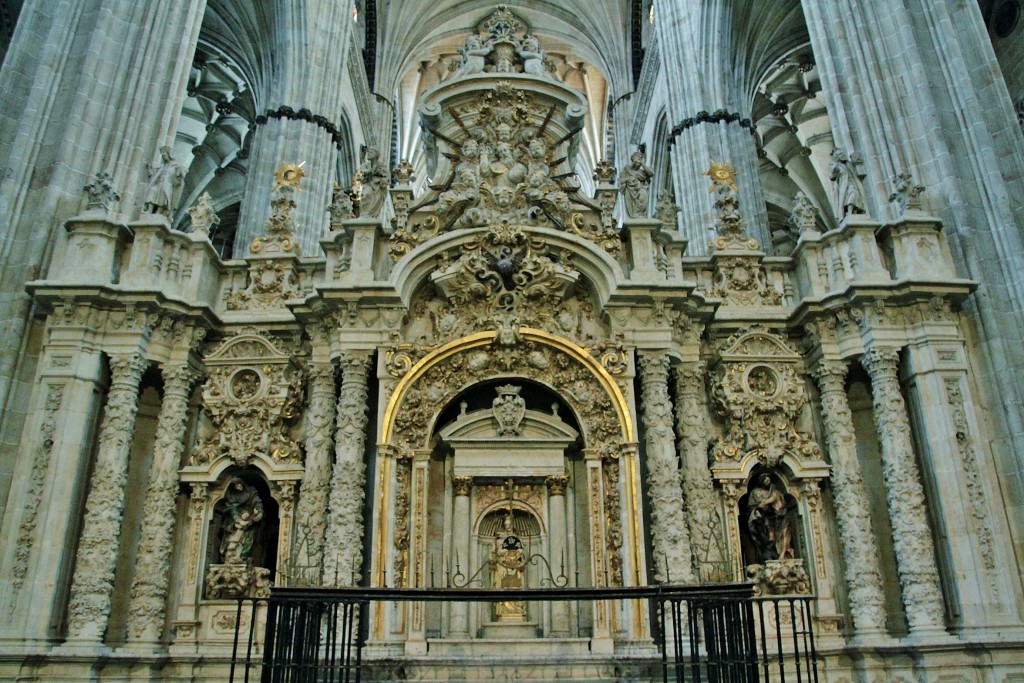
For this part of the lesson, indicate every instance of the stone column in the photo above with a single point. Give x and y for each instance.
(912, 538)
(556, 533)
(702, 516)
(461, 486)
(93, 582)
(153, 564)
(316, 479)
(343, 545)
(672, 558)
(863, 578)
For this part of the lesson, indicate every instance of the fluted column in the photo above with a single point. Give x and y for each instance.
(316, 479)
(701, 503)
(912, 537)
(863, 578)
(343, 546)
(461, 486)
(556, 533)
(671, 538)
(93, 582)
(152, 567)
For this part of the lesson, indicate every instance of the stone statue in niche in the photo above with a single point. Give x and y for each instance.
(769, 521)
(243, 511)
(635, 185)
(371, 183)
(473, 55)
(508, 562)
(164, 186)
(235, 575)
(533, 58)
(849, 192)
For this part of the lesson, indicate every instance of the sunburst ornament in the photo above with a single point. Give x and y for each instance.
(290, 175)
(722, 175)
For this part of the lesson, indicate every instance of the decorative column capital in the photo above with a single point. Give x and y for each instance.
(126, 369)
(557, 484)
(653, 364)
(178, 379)
(358, 361)
(321, 373)
(881, 363)
(690, 377)
(830, 374)
(462, 485)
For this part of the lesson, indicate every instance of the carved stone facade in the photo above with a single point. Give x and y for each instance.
(475, 353)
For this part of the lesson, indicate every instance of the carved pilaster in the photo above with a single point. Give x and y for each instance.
(93, 582)
(668, 523)
(912, 538)
(312, 507)
(344, 540)
(863, 579)
(152, 569)
(700, 503)
(37, 480)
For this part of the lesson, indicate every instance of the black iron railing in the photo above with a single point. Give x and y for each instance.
(704, 634)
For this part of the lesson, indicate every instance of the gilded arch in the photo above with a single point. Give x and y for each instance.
(526, 353)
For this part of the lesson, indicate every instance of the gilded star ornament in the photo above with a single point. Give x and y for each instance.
(722, 175)
(290, 175)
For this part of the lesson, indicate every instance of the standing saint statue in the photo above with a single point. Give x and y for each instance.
(372, 181)
(635, 185)
(508, 562)
(768, 521)
(163, 189)
(849, 192)
(243, 511)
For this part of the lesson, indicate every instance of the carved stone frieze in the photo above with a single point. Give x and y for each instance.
(742, 280)
(759, 393)
(779, 577)
(252, 397)
(271, 283)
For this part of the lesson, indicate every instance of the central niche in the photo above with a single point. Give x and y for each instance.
(504, 513)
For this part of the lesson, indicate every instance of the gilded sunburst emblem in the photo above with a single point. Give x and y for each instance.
(288, 174)
(722, 175)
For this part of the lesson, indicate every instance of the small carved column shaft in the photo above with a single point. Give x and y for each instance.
(557, 531)
(698, 484)
(93, 582)
(672, 558)
(863, 578)
(152, 567)
(912, 538)
(316, 479)
(459, 561)
(343, 554)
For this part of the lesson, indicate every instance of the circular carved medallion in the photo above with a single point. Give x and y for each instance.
(762, 381)
(245, 385)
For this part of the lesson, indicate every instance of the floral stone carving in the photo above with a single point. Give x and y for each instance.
(758, 391)
(252, 396)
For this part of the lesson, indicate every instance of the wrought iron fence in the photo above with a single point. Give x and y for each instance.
(703, 634)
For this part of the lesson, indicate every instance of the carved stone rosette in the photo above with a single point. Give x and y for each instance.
(863, 578)
(343, 555)
(669, 527)
(912, 537)
(152, 571)
(93, 583)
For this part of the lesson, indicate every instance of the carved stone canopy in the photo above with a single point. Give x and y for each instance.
(493, 443)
